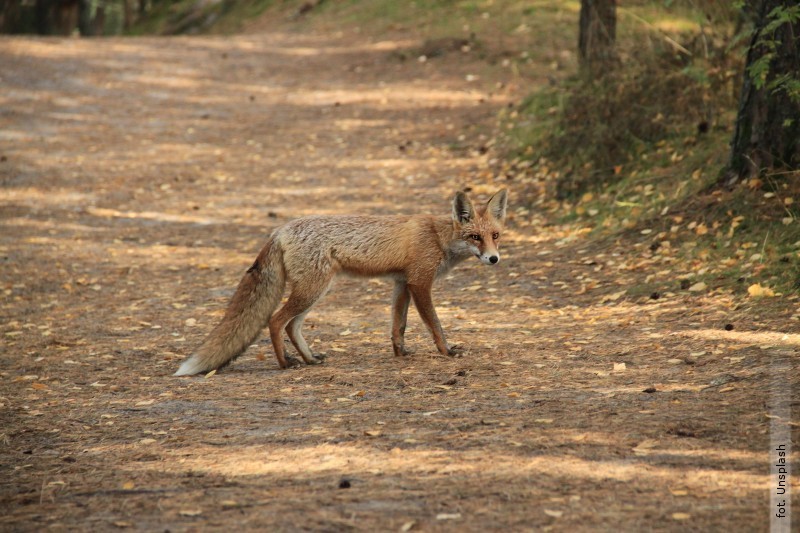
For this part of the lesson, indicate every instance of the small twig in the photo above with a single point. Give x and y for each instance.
(663, 35)
(108, 492)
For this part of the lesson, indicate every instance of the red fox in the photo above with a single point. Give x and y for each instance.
(308, 252)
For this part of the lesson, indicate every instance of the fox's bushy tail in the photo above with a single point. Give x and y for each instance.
(256, 298)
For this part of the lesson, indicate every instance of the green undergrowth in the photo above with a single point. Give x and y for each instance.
(632, 157)
(175, 17)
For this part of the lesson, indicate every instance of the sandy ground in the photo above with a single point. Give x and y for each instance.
(140, 177)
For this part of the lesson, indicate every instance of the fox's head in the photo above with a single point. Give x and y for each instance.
(480, 229)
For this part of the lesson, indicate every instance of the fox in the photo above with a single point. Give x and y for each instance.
(308, 252)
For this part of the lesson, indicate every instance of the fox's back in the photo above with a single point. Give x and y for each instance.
(358, 244)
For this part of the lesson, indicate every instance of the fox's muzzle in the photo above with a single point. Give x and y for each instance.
(489, 259)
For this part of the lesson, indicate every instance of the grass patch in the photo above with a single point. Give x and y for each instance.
(200, 16)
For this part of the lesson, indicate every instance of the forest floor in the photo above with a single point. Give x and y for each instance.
(140, 177)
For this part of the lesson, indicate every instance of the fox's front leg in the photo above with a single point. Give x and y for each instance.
(400, 301)
(424, 302)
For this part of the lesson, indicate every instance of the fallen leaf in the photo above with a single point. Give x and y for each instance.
(697, 287)
(448, 516)
(613, 297)
(756, 291)
(554, 514)
(681, 516)
(190, 512)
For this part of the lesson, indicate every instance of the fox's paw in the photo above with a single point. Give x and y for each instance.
(402, 351)
(316, 359)
(455, 350)
(291, 361)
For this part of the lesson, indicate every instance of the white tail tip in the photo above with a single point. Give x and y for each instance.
(190, 367)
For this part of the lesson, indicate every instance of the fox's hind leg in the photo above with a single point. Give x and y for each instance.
(301, 299)
(293, 329)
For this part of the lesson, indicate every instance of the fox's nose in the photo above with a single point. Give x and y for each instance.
(494, 259)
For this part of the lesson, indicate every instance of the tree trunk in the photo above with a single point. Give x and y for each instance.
(85, 17)
(767, 133)
(598, 32)
(43, 17)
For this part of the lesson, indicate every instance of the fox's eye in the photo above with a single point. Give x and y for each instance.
(495, 236)
(475, 237)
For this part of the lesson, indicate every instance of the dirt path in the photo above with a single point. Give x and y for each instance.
(140, 178)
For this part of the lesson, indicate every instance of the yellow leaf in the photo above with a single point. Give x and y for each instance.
(756, 291)
(698, 287)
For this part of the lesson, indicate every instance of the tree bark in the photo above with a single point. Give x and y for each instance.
(598, 32)
(767, 133)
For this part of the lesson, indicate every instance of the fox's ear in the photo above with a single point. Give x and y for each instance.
(463, 211)
(497, 204)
